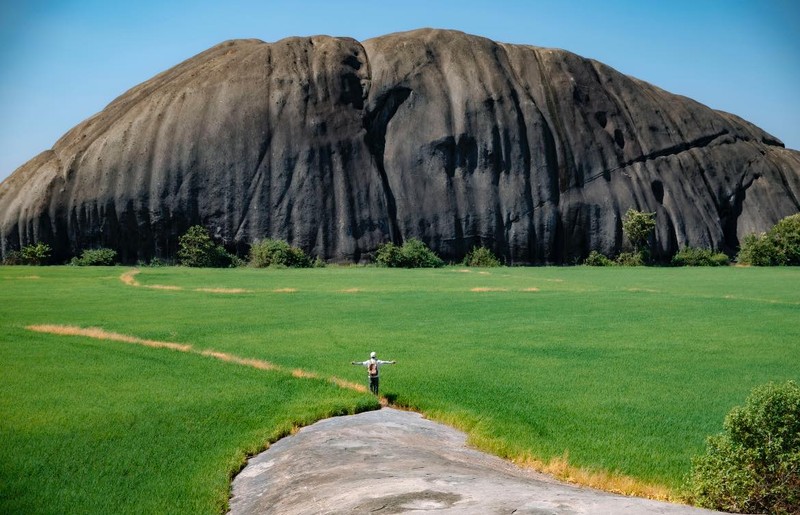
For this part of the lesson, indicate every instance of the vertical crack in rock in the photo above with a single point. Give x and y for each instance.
(375, 123)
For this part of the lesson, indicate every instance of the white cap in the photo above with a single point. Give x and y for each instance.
(372, 354)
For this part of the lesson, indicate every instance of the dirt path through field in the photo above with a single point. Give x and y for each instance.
(389, 461)
(392, 461)
(102, 334)
(129, 278)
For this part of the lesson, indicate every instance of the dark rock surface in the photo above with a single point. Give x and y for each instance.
(338, 146)
(391, 461)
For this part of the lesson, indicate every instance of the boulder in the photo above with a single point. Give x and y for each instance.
(338, 146)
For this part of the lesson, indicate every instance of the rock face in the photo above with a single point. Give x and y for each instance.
(391, 461)
(338, 146)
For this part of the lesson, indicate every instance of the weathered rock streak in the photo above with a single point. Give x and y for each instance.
(338, 146)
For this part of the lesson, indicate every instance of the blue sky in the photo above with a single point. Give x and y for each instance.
(64, 61)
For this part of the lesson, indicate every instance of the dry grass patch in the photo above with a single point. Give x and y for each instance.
(349, 385)
(223, 290)
(299, 372)
(350, 290)
(532, 289)
(102, 334)
(129, 278)
(285, 290)
(480, 290)
(560, 468)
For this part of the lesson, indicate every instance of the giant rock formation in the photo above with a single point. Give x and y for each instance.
(338, 146)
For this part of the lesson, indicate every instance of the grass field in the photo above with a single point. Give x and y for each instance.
(622, 370)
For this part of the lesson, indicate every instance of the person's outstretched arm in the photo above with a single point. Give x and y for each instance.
(393, 362)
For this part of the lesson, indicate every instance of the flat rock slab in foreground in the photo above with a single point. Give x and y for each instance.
(391, 461)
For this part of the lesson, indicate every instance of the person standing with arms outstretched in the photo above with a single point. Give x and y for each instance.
(373, 364)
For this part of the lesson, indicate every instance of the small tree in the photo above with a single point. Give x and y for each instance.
(197, 249)
(638, 227)
(754, 465)
(37, 254)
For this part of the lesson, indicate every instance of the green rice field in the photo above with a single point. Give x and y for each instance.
(621, 370)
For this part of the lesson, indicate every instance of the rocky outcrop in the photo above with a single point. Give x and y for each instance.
(338, 146)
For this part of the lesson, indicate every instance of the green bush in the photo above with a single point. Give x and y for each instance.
(389, 255)
(690, 256)
(778, 246)
(756, 250)
(35, 254)
(597, 259)
(638, 227)
(754, 465)
(96, 257)
(278, 253)
(413, 254)
(481, 256)
(786, 238)
(630, 259)
(197, 249)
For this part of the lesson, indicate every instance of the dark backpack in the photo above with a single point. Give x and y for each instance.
(372, 368)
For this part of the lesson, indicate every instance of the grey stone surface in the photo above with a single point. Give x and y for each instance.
(338, 146)
(392, 461)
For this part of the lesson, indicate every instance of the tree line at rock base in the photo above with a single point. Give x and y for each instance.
(780, 246)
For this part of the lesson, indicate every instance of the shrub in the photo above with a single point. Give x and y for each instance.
(37, 254)
(778, 246)
(756, 250)
(197, 249)
(413, 254)
(277, 253)
(96, 257)
(638, 227)
(690, 256)
(417, 255)
(597, 259)
(389, 255)
(630, 259)
(481, 256)
(754, 465)
(785, 236)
